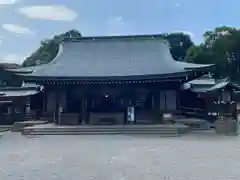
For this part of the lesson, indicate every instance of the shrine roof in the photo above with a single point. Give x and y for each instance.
(24, 90)
(17, 93)
(209, 84)
(223, 84)
(113, 57)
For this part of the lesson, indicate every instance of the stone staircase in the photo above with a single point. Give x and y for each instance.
(226, 126)
(19, 126)
(194, 123)
(161, 130)
(4, 128)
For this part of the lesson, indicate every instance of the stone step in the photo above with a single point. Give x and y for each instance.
(111, 127)
(4, 129)
(103, 130)
(116, 126)
(18, 126)
(165, 134)
(100, 132)
(90, 129)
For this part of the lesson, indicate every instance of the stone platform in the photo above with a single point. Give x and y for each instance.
(4, 128)
(169, 130)
(194, 123)
(18, 126)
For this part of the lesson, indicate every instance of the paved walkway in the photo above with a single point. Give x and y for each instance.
(191, 157)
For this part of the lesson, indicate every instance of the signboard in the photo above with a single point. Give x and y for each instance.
(238, 106)
(27, 109)
(61, 109)
(130, 114)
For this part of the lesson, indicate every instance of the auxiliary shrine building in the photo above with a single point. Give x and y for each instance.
(14, 97)
(111, 80)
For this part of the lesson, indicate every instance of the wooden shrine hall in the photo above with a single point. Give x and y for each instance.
(15, 97)
(111, 80)
(207, 98)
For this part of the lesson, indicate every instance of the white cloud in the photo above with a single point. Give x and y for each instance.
(17, 29)
(12, 58)
(4, 2)
(53, 12)
(177, 5)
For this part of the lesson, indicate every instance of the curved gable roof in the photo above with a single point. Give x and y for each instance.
(122, 56)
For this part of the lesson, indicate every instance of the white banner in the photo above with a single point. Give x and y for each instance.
(130, 113)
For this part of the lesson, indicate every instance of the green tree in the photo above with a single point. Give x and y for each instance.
(210, 37)
(49, 49)
(220, 47)
(179, 44)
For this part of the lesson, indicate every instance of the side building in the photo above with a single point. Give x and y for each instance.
(112, 80)
(15, 96)
(207, 97)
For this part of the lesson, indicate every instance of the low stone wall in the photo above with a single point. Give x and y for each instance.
(226, 126)
(194, 123)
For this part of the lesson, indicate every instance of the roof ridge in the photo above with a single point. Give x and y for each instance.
(117, 37)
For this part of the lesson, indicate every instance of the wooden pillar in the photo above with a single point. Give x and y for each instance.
(56, 112)
(156, 108)
(19, 107)
(178, 102)
(1, 113)
(27, 106)
(45, 101)
(83, 109)
(13, 113)
(22, 110)
(41, 109)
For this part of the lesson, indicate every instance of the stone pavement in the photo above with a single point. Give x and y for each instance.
(119, 157)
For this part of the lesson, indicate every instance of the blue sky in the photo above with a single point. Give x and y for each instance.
(24, 23)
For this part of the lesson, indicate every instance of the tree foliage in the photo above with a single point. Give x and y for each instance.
(48, 49)
(179, 44)
(221, 46)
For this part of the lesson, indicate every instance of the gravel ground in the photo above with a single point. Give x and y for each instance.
(192, 157)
